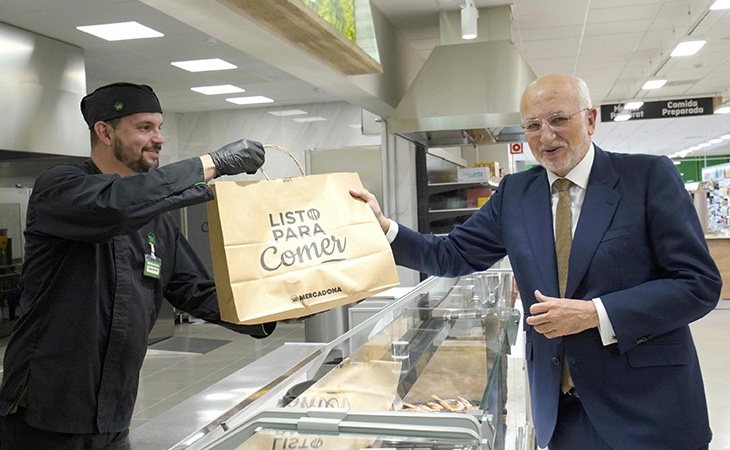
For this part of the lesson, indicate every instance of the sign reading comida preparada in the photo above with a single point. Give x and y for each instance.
(664, 109)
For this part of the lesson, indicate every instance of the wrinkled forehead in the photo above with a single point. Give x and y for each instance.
(548, 96)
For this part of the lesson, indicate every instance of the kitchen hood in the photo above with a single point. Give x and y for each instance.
(42, 81)
(465, 93)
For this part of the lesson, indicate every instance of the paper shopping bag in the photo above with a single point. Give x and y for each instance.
(268, 439)
(353, 385)
(289, 248)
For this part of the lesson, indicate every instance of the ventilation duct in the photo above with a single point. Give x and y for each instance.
(467, 92)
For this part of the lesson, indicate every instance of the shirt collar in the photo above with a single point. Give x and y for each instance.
(580, 173)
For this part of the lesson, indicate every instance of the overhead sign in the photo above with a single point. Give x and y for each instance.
(515, 148)
(664, 109)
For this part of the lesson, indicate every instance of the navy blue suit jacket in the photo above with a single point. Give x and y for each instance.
(638, 246)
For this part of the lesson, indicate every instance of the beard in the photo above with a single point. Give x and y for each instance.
(562, 167)
(137, 165)
(571, 158)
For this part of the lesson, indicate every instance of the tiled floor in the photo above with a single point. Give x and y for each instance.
(712, 338)
(169, 377)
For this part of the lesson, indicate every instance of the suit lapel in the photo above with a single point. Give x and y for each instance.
(599, 207)
(538, 220)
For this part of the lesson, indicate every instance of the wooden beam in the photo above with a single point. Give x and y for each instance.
(301, 26)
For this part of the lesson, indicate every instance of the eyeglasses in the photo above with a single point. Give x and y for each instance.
(555, 121)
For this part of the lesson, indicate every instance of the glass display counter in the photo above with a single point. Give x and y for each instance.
(426, 371)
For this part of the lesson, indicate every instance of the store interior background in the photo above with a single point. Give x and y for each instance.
(615, 46)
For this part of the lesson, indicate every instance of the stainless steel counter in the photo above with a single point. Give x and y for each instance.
(439, 350)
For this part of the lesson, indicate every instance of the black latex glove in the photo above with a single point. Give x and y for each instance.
(238, 157)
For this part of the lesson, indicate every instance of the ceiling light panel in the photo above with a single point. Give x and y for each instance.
(720, 4)
(687, 48)
(653, 84)
(249, 100)
(219, 89)
(120, 31)
(309, 119)
(287, 112)
(204, 65)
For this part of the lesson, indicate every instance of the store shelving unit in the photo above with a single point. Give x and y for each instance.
(442, 204)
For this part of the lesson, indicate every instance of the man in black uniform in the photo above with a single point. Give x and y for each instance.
(101, 253)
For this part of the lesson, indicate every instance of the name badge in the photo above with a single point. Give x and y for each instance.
(152, 264)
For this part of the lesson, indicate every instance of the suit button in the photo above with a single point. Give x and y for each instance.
(556, 361)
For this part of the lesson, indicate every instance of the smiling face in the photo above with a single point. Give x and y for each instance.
(560, 148)
(137, 141)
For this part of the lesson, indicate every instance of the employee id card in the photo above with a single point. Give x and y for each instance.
(152, 264)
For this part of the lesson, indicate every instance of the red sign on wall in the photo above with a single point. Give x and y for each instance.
(515, 148)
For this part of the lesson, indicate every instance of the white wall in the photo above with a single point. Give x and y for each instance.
(194, 134)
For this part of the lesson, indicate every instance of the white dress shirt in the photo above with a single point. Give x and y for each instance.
(579, 176)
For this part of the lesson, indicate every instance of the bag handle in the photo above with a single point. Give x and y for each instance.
(283, 150)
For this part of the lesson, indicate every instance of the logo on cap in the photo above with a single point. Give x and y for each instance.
(118, 106)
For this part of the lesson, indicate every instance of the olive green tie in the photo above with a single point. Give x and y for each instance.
(563, 242)
(563, 231)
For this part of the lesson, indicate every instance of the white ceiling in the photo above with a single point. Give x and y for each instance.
(614, 45)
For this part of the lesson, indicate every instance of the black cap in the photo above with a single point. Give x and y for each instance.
(117, 100)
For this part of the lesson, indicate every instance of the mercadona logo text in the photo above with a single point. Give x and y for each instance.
(315, 294)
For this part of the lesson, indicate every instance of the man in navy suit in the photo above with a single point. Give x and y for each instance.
(611, 362)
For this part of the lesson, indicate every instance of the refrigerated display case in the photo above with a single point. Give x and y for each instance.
(426, 371)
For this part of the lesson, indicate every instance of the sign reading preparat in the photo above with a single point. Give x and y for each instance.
(664, 109)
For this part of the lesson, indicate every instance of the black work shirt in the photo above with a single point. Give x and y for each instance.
(87, 308)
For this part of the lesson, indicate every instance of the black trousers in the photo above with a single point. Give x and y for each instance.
(16, 434)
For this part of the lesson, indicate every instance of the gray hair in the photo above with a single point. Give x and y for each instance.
(583, 92)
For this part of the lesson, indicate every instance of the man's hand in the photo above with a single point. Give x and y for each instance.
(555, 317)
(365, 195)
(238, 157)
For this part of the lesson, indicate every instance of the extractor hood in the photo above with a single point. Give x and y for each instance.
(465, 93)
(42, 81)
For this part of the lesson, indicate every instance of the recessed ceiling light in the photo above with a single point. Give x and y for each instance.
(287, 112)
(120, 31)
(694, 148)
(704, 145)
(220, 89)
(687, 48)
(633, 105)
(204, 65)
(715, 141)
(309, 119)
(249, 100)
(622, 117)
(723, 110)
(720, 4)
(725, 137)
(653, 84)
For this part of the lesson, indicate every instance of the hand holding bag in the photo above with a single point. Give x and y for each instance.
(289, 248)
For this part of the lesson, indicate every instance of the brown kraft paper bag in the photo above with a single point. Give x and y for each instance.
(284, 440)
(289, 248)
(353, 385)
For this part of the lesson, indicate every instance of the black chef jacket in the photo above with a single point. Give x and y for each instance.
(87, 308)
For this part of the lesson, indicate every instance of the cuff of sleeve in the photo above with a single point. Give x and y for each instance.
(259, 331)
(605, 328)
(392, 231)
